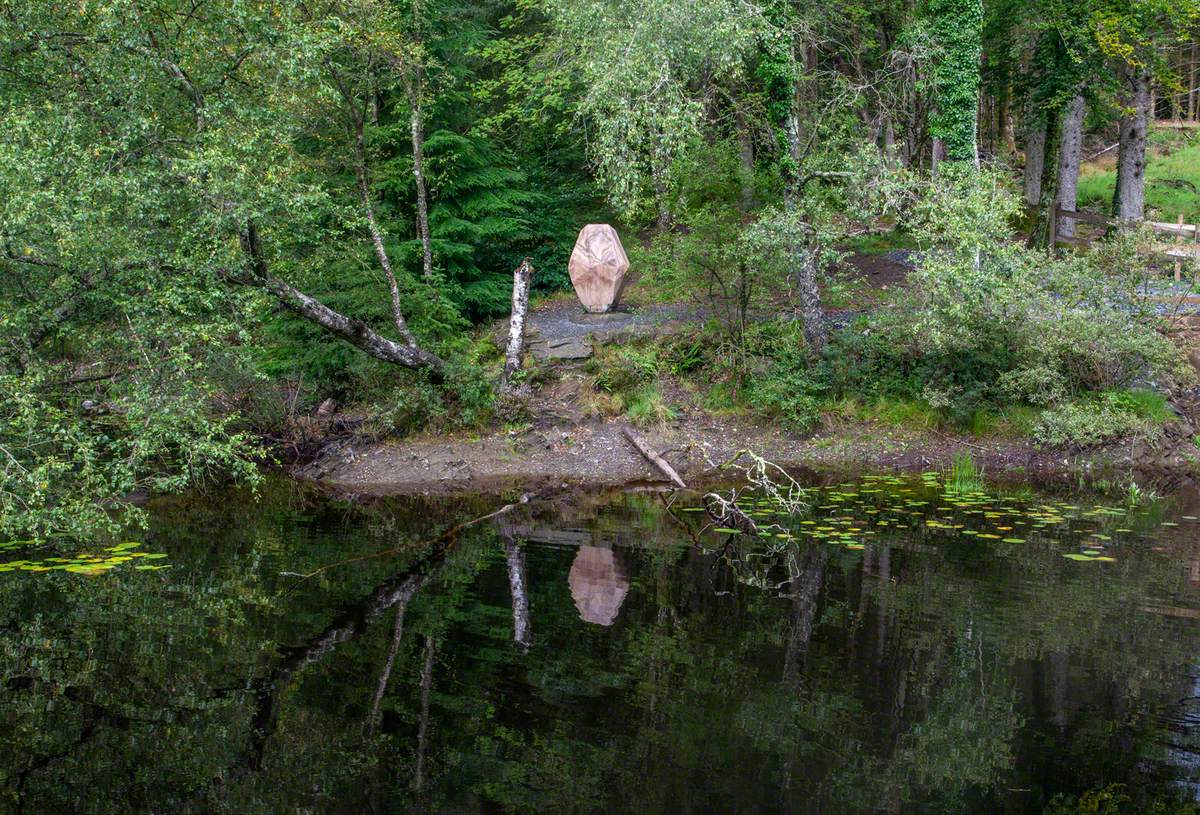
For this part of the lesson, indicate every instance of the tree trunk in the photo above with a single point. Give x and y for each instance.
(1035, 155)
(352, 330)
(815, 333)
(1069, 150)
(1004, 134)
(516, 323)
(364, 194)
(745, 139)
(803, 260)
(417, 126)
(515, 558)
(1129, 197)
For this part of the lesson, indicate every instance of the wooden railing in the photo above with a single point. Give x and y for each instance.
(1184, 244)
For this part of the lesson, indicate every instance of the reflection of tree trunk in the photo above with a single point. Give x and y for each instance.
(1059, 682)
(806, 590)
(423, 726)
(522, 633)
(885, 576)
(386, 674)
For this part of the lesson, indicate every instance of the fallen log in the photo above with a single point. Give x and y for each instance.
(654, 458)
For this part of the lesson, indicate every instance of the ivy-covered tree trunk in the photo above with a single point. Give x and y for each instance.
(1069, 150)
(958, 29)
(1129, 197)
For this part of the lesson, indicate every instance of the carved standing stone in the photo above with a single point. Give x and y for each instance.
(598, 267)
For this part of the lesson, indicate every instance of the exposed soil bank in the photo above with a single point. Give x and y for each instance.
(567, 447)
(596, 455)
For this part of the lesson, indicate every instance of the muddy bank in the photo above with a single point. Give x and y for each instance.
(597, 455)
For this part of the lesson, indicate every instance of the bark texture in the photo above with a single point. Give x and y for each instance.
(417, 126)
(515, 559)
(1069, 150)
(1129, 198)
(516, 323)
(1035, 156)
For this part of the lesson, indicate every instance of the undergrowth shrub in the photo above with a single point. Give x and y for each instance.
(1102, 417)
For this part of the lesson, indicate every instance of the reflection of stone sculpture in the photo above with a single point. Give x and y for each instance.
(598, 267)
(598, 584)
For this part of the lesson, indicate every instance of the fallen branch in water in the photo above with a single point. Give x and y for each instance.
(725, 512)
(774, 481)
(395, 550)
(654, 458)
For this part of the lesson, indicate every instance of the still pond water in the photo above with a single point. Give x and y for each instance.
(889, 647)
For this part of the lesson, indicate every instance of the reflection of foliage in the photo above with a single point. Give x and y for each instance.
(869, 678)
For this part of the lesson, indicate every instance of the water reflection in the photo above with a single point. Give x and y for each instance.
(598, 584)
(924, 670)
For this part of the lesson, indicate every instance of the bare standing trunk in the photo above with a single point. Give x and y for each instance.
(1129, 198)
(516, 325)
(515, 558)
(1068, 162)
(1035, 156)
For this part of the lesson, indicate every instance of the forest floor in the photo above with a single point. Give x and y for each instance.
(564, 443)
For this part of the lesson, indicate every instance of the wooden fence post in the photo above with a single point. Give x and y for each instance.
(1178, 240)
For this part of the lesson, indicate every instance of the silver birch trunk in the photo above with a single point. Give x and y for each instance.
(522, 276)
(417, 126)
(364, 194)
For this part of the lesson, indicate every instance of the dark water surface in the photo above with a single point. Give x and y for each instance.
(897, 649)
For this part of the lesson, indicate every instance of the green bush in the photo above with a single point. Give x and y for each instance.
(1104, 417)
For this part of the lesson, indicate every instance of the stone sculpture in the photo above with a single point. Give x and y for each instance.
(598, 267)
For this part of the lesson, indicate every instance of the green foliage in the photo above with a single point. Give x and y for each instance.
(1114, 799)
(965, 475)
(1106, 416)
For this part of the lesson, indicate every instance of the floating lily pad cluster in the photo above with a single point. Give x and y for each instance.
(104, 560)
(853, 514)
